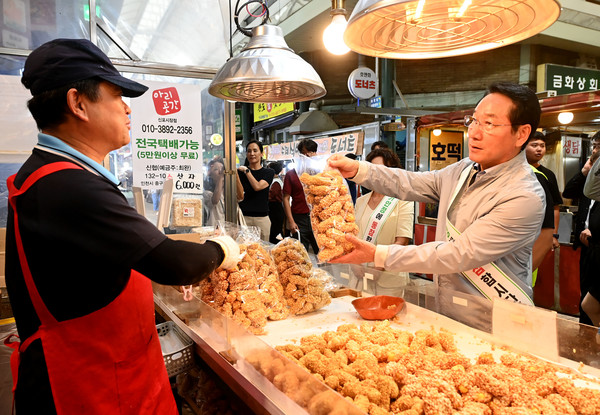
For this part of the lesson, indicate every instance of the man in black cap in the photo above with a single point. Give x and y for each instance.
(79, 259)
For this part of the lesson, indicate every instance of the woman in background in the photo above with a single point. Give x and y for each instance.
(256, 179)
(381, 219)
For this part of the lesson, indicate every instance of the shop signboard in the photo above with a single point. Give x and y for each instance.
(375, 102)
(566, 79)
(345, 143)
(362, 83)
(572, 147)
(238, 122)
(166, 137)
(445, 149)
(264, 111)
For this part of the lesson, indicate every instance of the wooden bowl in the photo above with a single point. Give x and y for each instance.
(378, 307)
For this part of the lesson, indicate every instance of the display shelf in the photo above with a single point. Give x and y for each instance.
(228, 348)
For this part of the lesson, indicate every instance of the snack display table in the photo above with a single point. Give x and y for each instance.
(229, 349)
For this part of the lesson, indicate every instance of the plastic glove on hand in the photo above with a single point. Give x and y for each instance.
(231, 250)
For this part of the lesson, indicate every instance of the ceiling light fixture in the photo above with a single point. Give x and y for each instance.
(333, 35)
(565, 117)
(437, 132)
(419, 29)
(266, 70)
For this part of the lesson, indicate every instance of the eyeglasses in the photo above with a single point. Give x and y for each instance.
(487, 126)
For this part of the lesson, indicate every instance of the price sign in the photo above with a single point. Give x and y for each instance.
(166, 131)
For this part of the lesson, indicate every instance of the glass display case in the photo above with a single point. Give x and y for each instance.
(254, 369)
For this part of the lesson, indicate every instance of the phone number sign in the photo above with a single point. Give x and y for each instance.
(166, 131)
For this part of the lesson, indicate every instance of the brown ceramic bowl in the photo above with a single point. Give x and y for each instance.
(378, 307)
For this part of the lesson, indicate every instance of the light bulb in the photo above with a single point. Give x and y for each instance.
(333, 35)
(437, 132)
(565, 117)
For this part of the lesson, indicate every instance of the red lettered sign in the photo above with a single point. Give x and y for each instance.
(166, 101)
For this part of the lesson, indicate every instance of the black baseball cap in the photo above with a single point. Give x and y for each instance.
(63, 61)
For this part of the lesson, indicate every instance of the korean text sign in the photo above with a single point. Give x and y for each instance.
(445, 149)
(346, 143)
(567, 79)
(572, 146)
(166, 137)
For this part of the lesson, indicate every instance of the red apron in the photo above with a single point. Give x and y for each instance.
(106, 362)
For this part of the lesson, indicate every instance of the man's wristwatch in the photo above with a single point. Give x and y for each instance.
(555, 235)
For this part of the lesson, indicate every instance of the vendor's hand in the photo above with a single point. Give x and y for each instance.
(243, 169)
(583, 237)
(293, 227)
(345, 165)
(363, 252)
(555, 243)
(231, 251)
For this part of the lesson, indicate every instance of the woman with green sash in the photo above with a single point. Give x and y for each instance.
(383, 219)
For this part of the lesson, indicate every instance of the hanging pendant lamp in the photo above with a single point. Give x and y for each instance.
(419, 29)
(267, 70)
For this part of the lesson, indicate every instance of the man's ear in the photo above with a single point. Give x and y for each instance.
(523, 132)
(77, 104)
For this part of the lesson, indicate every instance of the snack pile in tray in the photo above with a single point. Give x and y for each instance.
(383, 370)
(331, 212)
(303, 291)
(250, 293)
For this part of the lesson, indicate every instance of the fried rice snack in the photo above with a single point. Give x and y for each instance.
(303, 291)
(250, 293)
(384, 370)
(331, 213)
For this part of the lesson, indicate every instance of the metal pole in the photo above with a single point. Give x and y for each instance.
(230, 167)
(93, 29)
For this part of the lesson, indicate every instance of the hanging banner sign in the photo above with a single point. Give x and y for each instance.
(572, 147)
(346, 143)
(264, 111)
(566, 79)
(166, 137)
(362, 83)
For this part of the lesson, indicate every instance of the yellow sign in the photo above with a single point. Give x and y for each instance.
(264, 111)
(445, 149)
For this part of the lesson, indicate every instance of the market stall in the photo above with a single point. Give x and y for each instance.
(254, 369)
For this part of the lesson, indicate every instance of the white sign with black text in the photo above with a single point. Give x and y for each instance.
(166, 137)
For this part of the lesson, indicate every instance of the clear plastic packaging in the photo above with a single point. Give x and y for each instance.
(331, 207)
(303, 291)
(187, 211)
(251, 292)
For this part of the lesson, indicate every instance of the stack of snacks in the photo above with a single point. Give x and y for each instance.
(331, 213)
(302, 290)
(384, 370)
(250, 293)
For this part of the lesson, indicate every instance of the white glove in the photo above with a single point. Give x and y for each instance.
(231, 250)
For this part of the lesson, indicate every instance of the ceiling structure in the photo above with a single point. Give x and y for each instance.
(303, 22)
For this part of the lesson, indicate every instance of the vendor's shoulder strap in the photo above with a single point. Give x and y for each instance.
(40, 307)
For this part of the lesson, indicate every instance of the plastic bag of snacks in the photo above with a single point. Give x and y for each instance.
(251, 292)
(187, 211)
(331, 207)
(303, 292)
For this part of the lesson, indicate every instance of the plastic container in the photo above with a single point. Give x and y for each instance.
(176, 348)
